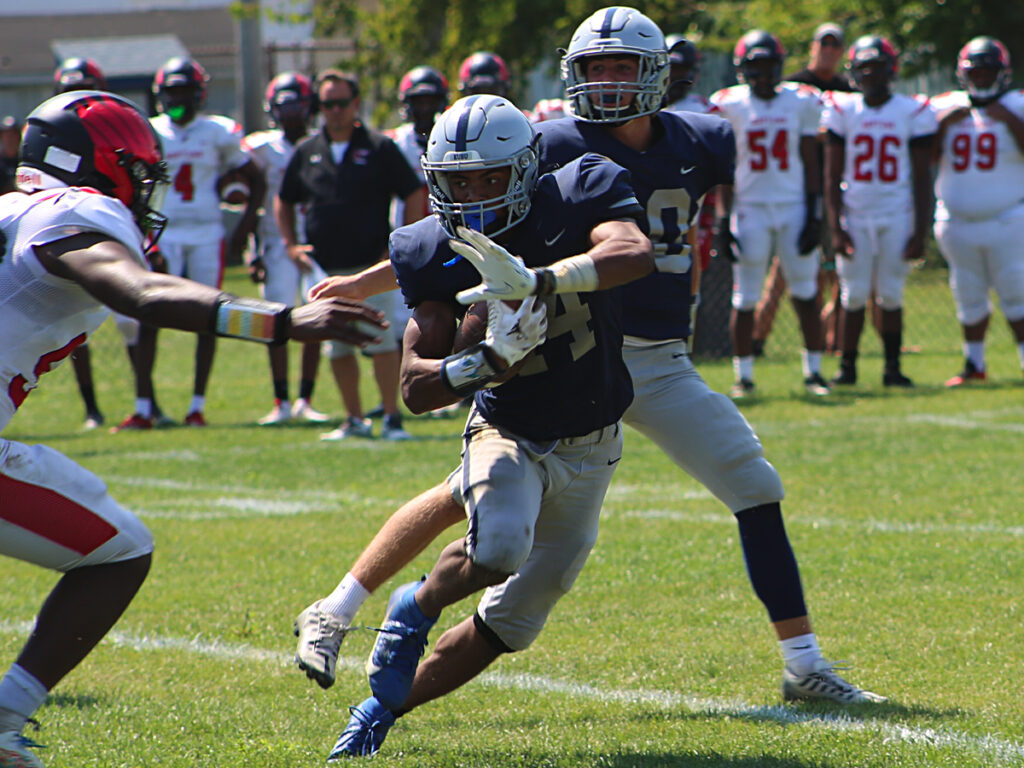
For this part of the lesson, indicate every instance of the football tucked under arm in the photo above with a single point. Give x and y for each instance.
(509, 329)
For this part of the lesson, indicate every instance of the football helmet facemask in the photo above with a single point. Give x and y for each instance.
(617, 32)
(481, 132)
(289, 95)
(98, 140)
(984, 53)
(180, 88)
(484, 72)
(78, 74)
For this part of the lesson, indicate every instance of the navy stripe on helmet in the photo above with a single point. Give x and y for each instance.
(606, 25)
(462, 127)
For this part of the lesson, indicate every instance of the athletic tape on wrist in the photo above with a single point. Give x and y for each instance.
(577, 274)
(469, 370)
(251, 319)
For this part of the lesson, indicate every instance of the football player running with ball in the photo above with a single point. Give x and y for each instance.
(878, 198)
(540, 449)
(71, 245)
(979, 218)
(616, 71)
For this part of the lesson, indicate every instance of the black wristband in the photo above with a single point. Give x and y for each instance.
(545, 282)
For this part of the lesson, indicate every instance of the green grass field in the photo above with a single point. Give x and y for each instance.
(903, 509)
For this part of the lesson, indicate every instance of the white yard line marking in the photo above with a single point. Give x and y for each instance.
(1001, 751)
(871, 526)
(238, 502)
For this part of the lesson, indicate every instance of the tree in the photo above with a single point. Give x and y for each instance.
(395, 35)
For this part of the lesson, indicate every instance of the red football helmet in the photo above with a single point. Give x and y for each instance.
(484, 72)
(77, 74)
(290, 93)
(550, 109)
(180, 73)
(979, 54)
(868, 50)
(756, 46)
(102, 141)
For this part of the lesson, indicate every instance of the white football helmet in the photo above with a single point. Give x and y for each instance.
(616, 31)
(481, 132)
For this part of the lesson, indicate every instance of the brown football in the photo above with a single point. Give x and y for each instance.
(472, 330)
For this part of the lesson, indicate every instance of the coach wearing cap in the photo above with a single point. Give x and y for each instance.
(826, 56)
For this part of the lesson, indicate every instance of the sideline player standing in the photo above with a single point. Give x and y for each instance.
(878, 198)
(539, 450)
(289, 101)
(777, 201)
(979, 218)
(701, 430)
(93, 170)
(199, 149)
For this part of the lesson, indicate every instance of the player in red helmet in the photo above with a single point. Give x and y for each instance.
(878, 148)
(777, 191)
(199, 149)
(289, 102)
(92, 175)
(484, 72)
(78, 74)
(979, 218)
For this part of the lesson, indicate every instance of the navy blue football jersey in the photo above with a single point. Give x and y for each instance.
(575, 382)
(692, 154)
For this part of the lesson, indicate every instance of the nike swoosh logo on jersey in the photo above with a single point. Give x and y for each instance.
(614, 461)
(554, 239)
(683, 171)
(677, 355)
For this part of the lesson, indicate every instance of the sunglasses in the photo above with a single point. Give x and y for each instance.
(335, 103)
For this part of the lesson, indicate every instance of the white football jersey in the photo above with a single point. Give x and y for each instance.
(44, 317)
(404, 137)
(691, 102)
(270, 151)
(981, 171)
(197, 154)
(769, 167)
(877, 177)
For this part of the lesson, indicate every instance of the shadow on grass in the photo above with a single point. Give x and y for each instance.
(72, 701)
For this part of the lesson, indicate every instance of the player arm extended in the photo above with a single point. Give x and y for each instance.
(106, 270)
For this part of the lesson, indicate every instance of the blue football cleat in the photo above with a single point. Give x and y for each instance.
(400, 644)
(365, 732)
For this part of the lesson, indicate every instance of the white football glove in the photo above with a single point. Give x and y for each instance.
(504, 276)
(512, 333)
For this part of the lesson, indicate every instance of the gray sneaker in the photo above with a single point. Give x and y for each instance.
(320, 635)
(824, 683)
(351, 427)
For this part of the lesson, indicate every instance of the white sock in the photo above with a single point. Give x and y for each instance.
(800, 653)
(21, 694)
(975, 352)
(743, 367)
(811, 362)
(144, 407)
(346, 599)
(198, 403)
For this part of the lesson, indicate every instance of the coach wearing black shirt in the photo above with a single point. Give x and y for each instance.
(344, 178)
(826, 59)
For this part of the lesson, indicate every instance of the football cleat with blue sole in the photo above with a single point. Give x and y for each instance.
(365, 732)
(400, 644)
